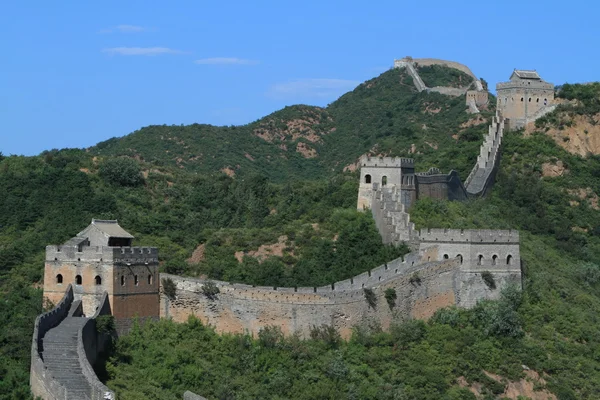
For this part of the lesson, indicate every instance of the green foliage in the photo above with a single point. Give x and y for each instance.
(439, 75)
(415, 279)
(489, 280)
(105, 324)
(121, 171)
(169, 288)
(370, 297)
(390, 297)
(590, 273)
(210, 289)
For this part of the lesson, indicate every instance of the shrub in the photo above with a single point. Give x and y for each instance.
(489, 280)
(270, 336)
(169, 288)
(121, 171)
(391, 296)
(327, 334)
(105, 324)
(370, 297)
(589, 273)
(415, 279)
(412, 331)
(210, 290)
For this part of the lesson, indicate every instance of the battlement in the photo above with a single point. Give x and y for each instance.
(104, 254)
(386, 162)
(469, 235)
(524, 85)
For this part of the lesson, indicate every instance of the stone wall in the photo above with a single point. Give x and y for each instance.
(440, 186)
(41, 382)
(243, 308)
(90, 344)
(483, 174)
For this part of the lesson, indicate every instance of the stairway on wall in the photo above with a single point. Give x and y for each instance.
(483, 173)
(391, 218)
(61, 358)
(419, 84)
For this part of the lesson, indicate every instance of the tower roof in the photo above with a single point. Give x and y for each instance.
(526, 74)
(111, 228)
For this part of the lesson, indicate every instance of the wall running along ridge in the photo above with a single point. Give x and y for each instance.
(69, 374)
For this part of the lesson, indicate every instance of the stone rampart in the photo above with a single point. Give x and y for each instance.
(449, 91)
(383, 162)
(426, 62)
(91, 343)
(41, 381)
(483, 174)
(137, 255)
(243, 308)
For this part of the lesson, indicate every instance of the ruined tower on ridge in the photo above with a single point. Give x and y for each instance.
(524, 98)
(100, 258)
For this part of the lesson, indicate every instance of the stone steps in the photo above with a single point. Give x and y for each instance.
(61, 358)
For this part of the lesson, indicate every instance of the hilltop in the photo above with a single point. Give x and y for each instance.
(269, 203)
(385, 115)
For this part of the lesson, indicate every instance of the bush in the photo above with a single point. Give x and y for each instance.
(589, 273)
(390, 296)
(169, 288)
(210, 290)
(327, 334)
(415, 279)
(121, 171)
(105, 324)
(412, 331)
(270, 336)
(370, 297)
(489, 280)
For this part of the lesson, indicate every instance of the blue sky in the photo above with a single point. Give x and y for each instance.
(74, 73)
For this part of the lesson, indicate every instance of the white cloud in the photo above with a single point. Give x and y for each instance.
(140, 51)
(124, 29)
(225, 61)
(312, 88)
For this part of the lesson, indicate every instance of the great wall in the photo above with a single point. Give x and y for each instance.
(99, 273)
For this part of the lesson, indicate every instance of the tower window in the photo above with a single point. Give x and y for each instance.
(59, 279)
(122, 280)
(135, 280)
(383, 180)
(494, 258)
(150, 279)
(479, 260)
(445, 256)
(460, 257)
(78, 280)
(367, 178)
(509, 260)
(530, 99)
(98, 280)
(521, 99)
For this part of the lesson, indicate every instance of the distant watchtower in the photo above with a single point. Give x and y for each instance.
(524, 97)
(386, 172)
(100, 258)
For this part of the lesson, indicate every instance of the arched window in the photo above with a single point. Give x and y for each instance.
(150, 279)
(135, 280)
(59, 279)
(122, 280)
(383, 180)
(445, 256)
(494, 258)
(78, 280)
(521, 99)
(537, 100)
(530, 99)
(98, 280)
(479, 259)
(509, 260)
(367, 178)
(460, 257)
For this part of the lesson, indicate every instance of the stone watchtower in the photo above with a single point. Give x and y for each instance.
(386, 172)
(525, 97)
(100, 258)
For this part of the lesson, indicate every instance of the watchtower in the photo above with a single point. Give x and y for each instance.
(386, 172)
(523, 97)
(100, 258)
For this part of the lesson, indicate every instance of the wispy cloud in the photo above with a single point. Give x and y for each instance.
(141, 51)
(312, 88)
(225, 61)
(124, 29)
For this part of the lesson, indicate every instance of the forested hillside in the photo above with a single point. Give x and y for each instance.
(269, 203)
